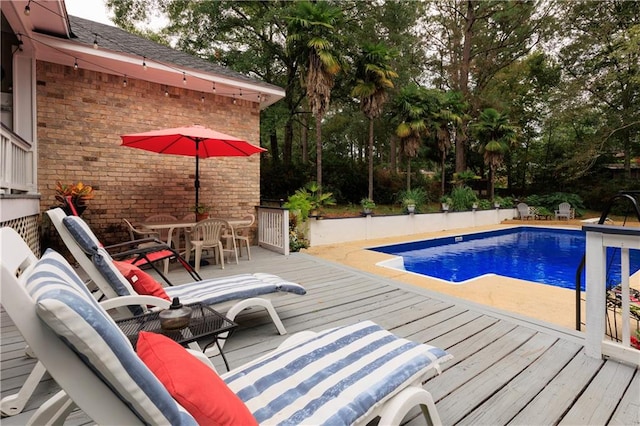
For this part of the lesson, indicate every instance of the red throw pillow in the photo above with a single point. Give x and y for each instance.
(141, 282)
(190, 382)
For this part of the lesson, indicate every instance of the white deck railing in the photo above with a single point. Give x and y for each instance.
(599, 237)
(273, 229)
(17, 173)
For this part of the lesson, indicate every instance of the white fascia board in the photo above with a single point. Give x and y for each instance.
(51, 49)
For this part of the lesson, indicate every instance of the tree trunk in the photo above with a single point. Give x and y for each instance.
(408, 173)
(273, 143)
(491, 185)
(371, 159)
(442, 162)
(465, 66)
(393, 154)
(288, 138)
(319, 152)
(304, 138)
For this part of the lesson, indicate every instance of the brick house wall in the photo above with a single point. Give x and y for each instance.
(81, 115)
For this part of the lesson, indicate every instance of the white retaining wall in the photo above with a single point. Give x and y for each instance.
(332, 231)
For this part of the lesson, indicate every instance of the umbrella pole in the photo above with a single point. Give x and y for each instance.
(197, 172)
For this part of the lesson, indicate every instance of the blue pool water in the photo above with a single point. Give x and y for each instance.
(542, 255)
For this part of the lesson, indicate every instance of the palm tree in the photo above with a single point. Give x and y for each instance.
(447, 121)
(373, 78)
(411, 115)
(496, 136)
(312, 37)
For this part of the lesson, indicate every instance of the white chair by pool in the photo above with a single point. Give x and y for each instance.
(564, 211)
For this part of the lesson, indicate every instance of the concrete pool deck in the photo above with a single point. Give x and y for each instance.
(543, 302)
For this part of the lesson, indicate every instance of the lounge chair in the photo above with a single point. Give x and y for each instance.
(564, 211)
(525, 212)
(140, 252)
(345, 375)
(231, 294)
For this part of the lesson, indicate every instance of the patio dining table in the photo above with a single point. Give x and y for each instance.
(171, 226)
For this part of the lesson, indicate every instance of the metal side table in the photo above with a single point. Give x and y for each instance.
(205, 323)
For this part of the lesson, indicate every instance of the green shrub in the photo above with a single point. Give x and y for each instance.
(505, 202)
(462, 198)
(485, 204)
(417, 196)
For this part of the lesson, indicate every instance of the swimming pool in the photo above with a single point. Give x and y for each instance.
(542, 255)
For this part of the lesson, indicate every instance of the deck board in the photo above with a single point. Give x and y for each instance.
(506, 369)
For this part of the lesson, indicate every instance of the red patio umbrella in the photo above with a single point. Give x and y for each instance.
(194, 141)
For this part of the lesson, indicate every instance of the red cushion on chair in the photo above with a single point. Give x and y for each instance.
(193, 384)
(141, 282)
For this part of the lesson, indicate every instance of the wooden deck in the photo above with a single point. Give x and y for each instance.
(506, 370)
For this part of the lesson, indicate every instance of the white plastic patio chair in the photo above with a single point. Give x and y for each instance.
(206, 234)
(351, 374)
(524, 211)
(138, 233)
(162, 218)
(242, 235)
(564, 211)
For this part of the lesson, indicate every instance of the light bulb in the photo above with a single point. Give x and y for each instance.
(27, 9)
(124, 82)
(184, 78)
(95, 41)
(144, 63)
(75, 65)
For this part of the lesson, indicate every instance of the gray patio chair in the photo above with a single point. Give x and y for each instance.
(564, 211)
(524, 211)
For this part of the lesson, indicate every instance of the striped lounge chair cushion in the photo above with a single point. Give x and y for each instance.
(336, 377)
(235, 287)
(66, 306)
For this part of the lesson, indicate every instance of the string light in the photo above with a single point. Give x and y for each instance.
(27, 9)
(235, 96)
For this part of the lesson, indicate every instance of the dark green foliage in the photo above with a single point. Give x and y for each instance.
(278, 181)
(552, 201)
(462, 198)
(297, 240)
(485, 204)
